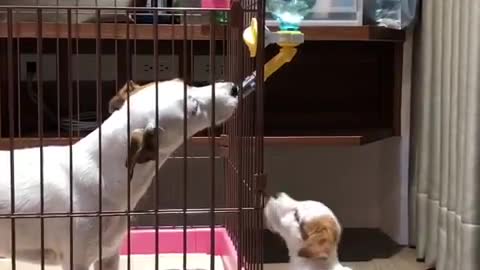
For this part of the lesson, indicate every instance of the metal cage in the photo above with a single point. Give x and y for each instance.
(59, 67)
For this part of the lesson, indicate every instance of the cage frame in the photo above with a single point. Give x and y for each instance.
(240, 143)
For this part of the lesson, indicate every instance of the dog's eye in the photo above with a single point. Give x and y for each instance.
(193, 106)
(297, 216)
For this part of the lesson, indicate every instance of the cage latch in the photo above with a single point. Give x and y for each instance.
(260, 182)
(223, 145)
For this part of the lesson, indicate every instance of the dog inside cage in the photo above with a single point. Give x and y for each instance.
(125, 140)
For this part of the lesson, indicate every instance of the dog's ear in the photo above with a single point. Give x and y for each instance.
(129, 86)
(320, 237)
(313, 250)
(115, 103)
(132, 86)
(136, 142)
(119, 99)
(143, 147)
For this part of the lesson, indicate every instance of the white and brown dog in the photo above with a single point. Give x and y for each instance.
(115, 175)
(310, 230)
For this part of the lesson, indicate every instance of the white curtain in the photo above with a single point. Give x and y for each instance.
(445, 189)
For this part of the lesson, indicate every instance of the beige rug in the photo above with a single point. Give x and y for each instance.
(404, 260)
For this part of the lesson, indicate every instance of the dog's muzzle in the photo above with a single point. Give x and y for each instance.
(267, 197)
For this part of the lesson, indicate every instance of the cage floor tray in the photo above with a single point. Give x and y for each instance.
(170, 252)
(140, 262)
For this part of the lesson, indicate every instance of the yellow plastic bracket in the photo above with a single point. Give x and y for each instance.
(287, 40)
(250, 37)
(285, 55)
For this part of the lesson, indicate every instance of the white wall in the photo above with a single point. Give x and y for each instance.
(345, 178)
(362, 185)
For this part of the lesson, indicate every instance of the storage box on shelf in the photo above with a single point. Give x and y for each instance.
(329, 13)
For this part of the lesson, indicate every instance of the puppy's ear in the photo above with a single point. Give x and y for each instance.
(314, 251)
(320, 237)
(119, 99)
(143, 147)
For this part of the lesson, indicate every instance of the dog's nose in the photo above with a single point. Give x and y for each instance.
(234, 91)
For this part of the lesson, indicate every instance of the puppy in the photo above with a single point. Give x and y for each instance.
(310, 230)
(108, 168)
(50, 15)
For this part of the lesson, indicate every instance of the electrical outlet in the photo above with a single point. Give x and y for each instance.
(28, 65)
(201, 68)
(144, 67)
(84, 67)
(162, 67)
(218, 69)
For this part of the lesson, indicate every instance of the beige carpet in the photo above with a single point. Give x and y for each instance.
(404, 260)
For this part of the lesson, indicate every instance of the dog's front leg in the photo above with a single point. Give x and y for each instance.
(80, 262)
(109, 263)
(66, 266)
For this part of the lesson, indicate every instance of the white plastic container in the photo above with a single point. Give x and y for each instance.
(330, 13)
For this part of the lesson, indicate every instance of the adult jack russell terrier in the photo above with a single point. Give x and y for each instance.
(114, 174)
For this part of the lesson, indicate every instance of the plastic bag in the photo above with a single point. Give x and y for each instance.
(396, 14)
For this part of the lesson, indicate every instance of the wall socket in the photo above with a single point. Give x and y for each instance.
(144, 67)
(84, 67)
(201, 68)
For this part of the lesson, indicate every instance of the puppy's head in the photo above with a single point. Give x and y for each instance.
(169, 108)
(309, 228)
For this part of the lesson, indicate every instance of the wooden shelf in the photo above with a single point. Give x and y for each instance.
(28, 142)
(120, 31)
(352, 33)
(195, 32)
(316, 140)
(20, 143)
(344, 138)
(333, 138)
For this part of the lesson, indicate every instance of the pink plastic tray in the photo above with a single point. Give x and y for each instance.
(171, 241)
(215, 3)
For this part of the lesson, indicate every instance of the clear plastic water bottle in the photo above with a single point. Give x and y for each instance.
(289, 13)
(396, 14)
(388, 13)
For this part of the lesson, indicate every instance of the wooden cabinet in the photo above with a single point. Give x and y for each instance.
(342, 88)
